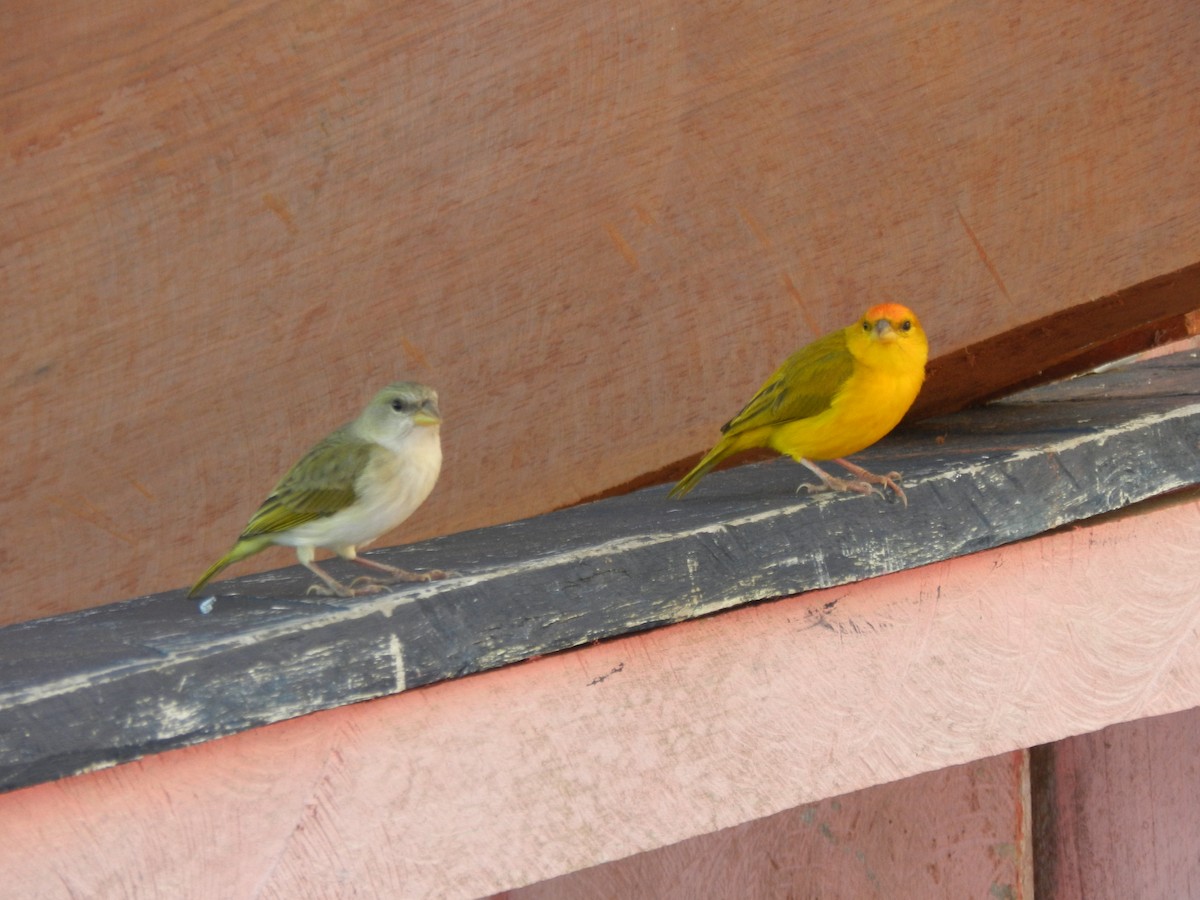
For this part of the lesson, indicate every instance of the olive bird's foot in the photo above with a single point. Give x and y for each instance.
(396, 574)
(329, 590)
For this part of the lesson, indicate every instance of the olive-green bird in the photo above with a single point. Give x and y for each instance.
(358, 483)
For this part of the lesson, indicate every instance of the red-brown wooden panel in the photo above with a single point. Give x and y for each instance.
(593, 227)
(1117, 812)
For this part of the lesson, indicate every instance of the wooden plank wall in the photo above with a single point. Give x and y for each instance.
(1117, 812)
(960, 832)
(593, 227)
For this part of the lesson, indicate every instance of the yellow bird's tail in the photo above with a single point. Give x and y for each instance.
(243, 548)
(724, 448)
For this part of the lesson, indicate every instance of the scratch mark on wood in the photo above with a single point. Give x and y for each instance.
(397, 651)
(278, 206)
(619, 667)
(414, 354)
(622, 245)
(790, 286)
(140, 488)
(95, 519)
(991, 267)
(644, 215)
(755, 227)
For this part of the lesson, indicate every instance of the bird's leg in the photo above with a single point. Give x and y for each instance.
(863, 483)
(833, 483)
(396, 572)
(890, 480)
(333, 587)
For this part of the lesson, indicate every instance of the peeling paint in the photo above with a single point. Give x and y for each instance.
(397, 651)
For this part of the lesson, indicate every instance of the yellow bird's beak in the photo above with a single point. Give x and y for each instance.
(427, 415)
(884, 332)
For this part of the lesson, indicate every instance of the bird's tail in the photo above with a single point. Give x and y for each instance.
(723, 449)
(243, 548)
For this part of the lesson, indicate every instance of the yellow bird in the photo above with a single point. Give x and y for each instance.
(361, 481)
(837, 396)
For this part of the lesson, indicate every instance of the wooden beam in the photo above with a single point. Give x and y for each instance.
(157, 674)
(1130, 321)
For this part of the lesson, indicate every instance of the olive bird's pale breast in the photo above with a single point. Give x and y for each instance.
(395, 481)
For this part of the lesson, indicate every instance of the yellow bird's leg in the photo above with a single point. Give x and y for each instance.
(890, 480)
(833, 483)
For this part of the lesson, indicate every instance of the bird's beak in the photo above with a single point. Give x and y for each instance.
(428, 414)
(885, 332)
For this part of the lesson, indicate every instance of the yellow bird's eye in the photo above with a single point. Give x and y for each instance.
(866, 325)
(906, 325)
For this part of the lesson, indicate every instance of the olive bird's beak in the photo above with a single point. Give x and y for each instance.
(428, 414)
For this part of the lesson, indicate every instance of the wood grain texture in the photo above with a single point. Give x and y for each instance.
(1143, 317)
(1119, 811)
(593, 228)
(157, 674)
(959, 832)
(485, 784)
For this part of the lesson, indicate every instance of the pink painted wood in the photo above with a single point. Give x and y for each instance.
(1124, 807)
(957, 832)
(522, 774)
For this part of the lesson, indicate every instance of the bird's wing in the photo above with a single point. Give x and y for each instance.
(803, 386)
(319, 485)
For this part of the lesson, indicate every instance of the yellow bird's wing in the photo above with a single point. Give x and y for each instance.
(319, 485)
(803, 386)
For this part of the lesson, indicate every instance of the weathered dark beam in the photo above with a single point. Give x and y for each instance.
(114, 683)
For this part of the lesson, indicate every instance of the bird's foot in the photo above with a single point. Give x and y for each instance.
(891, 480)
(864, 482)
(833, 483)
(336, 589)
(365, 584)
(359, 586)
(396, 574)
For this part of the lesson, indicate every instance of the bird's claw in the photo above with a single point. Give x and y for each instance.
(324, 590)
(841, 484)
(365, 584)
(860, 486)
(403, 575)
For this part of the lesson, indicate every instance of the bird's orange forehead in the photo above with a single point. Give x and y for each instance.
(889, 311)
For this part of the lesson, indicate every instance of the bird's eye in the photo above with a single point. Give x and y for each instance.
(866, 325)
(399, 405)
(906, 325)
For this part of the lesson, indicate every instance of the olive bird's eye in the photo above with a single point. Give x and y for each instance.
(906, 325)
(399, 405)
